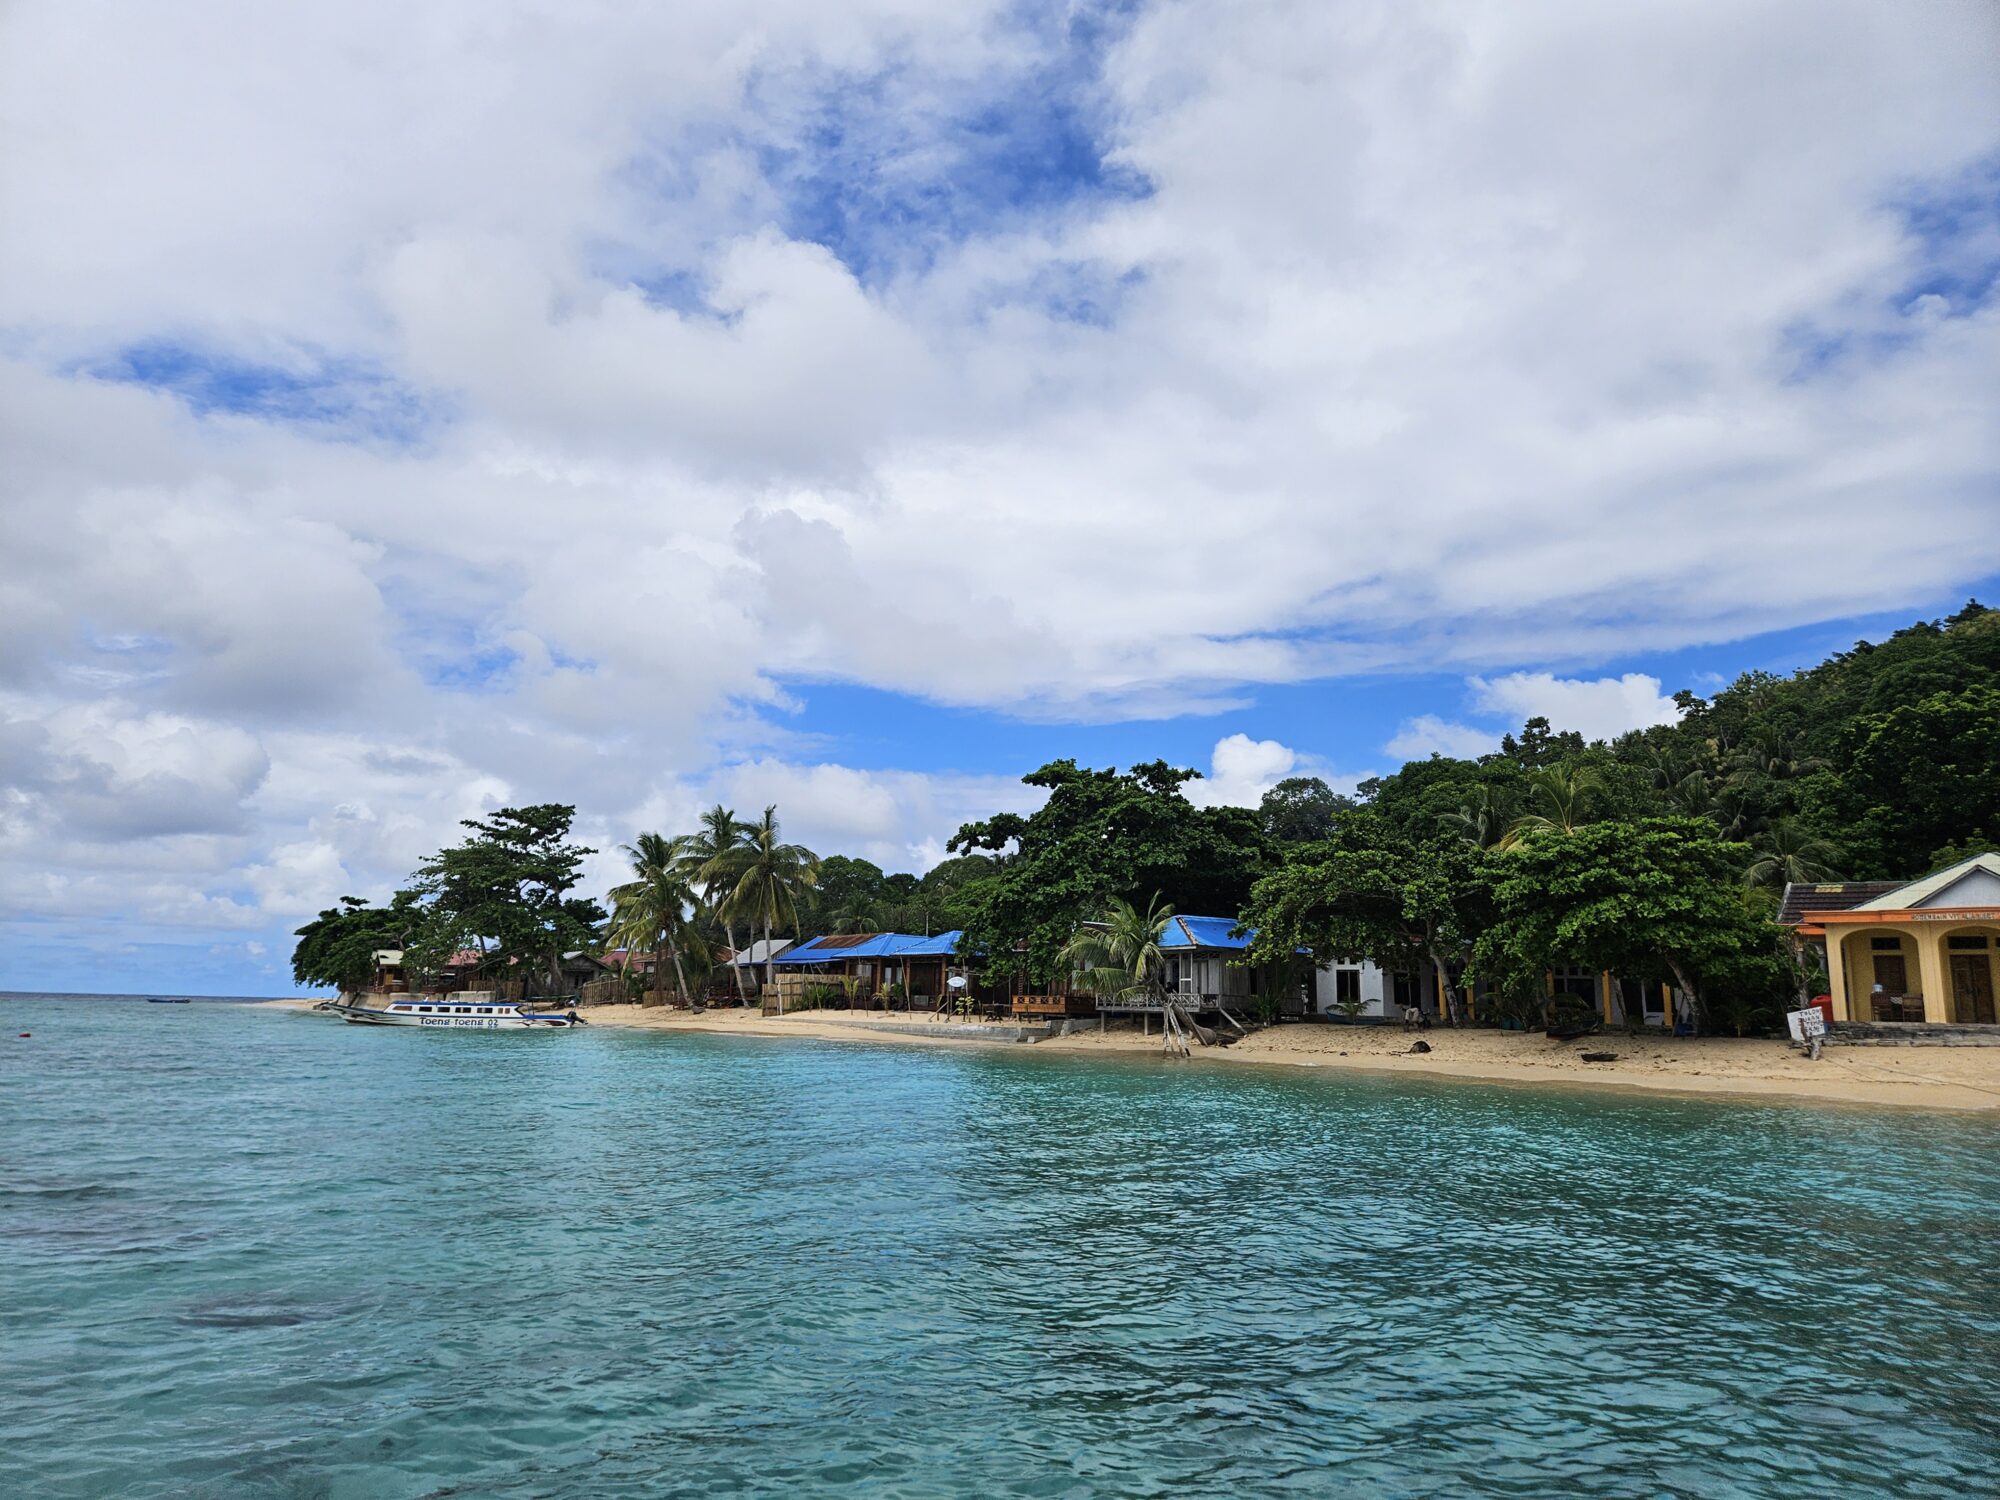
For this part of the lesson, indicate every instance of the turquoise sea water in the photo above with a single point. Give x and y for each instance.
(263, 1254)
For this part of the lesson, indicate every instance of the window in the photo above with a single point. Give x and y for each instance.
(1581, 983)
(1971, 944)
(465, 1010)
(1347, 987)
(1886, 945)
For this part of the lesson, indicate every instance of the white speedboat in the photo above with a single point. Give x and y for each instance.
(445, 1013)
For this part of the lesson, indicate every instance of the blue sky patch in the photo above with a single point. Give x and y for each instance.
(347, 396)
(890, 170)
(1954, 231)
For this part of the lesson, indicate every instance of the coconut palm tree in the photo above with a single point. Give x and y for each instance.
(1119, 955)
(1559, 799)
(1483, 821)
(768, 878)
(706, 858)
(1787, 854)
(1770, 758)
(651, 910)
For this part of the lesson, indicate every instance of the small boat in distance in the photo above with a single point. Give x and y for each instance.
(446, 1013)
(166, 1000)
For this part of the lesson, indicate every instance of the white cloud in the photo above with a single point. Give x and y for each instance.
(900, 820)
(1241, 770)
(1427, 735)
(568, 435)
(1600, 709)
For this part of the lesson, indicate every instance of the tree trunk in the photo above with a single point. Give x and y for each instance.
(1687, 988)
(680, 974)
(1451, 1001)
(770, 969)
(659, 986)
(735, 964)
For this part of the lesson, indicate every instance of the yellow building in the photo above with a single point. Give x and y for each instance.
(1924, 950)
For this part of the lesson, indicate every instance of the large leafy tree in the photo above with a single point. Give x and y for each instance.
(1101, 836)
(846, 897)
(1300, 809)
(1659, 896)
(1369, 892)
(337, 948)
(507, 889)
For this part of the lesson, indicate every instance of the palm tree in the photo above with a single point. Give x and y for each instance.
(1559, 797)
(858, 917)
(652, 910)
(769, 876)
(1484, 820)
(1770, 758)
(1120, 956)
(1734, 811)
(707, 859)
(1693, 794)
(1787, 854)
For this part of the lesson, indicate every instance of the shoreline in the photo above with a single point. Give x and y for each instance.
(1958, 1080)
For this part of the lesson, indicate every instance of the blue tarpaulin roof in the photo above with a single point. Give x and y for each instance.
(833, 950)
(1204, 932)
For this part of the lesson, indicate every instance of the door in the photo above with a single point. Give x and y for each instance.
(1972, 988)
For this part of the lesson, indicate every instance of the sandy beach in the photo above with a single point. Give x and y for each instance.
(1951, 1078)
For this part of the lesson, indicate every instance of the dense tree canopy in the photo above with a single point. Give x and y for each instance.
(1300, 809)
(506, 889)
(336, 950)
(1369, 892)
(1659, 897)
(1131, 836)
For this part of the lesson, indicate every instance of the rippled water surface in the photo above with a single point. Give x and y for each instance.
(258, 1253)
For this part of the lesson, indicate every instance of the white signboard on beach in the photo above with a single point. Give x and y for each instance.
(1806, 1024)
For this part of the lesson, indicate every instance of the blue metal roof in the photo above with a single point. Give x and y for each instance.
(1202, 932)
(941, 945)
(880, 945)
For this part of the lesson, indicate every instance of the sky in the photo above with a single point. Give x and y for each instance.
(407, 411)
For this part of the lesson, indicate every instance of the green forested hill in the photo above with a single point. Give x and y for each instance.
(1882, 762)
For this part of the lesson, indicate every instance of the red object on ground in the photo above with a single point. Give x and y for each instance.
(1824, 1005)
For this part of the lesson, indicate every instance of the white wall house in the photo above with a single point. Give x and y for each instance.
(1382, 995)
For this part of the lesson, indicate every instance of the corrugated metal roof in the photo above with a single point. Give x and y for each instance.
(842, 946)
(939, 945)
(755, 953)
(1917, 893)
(1204, 932)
